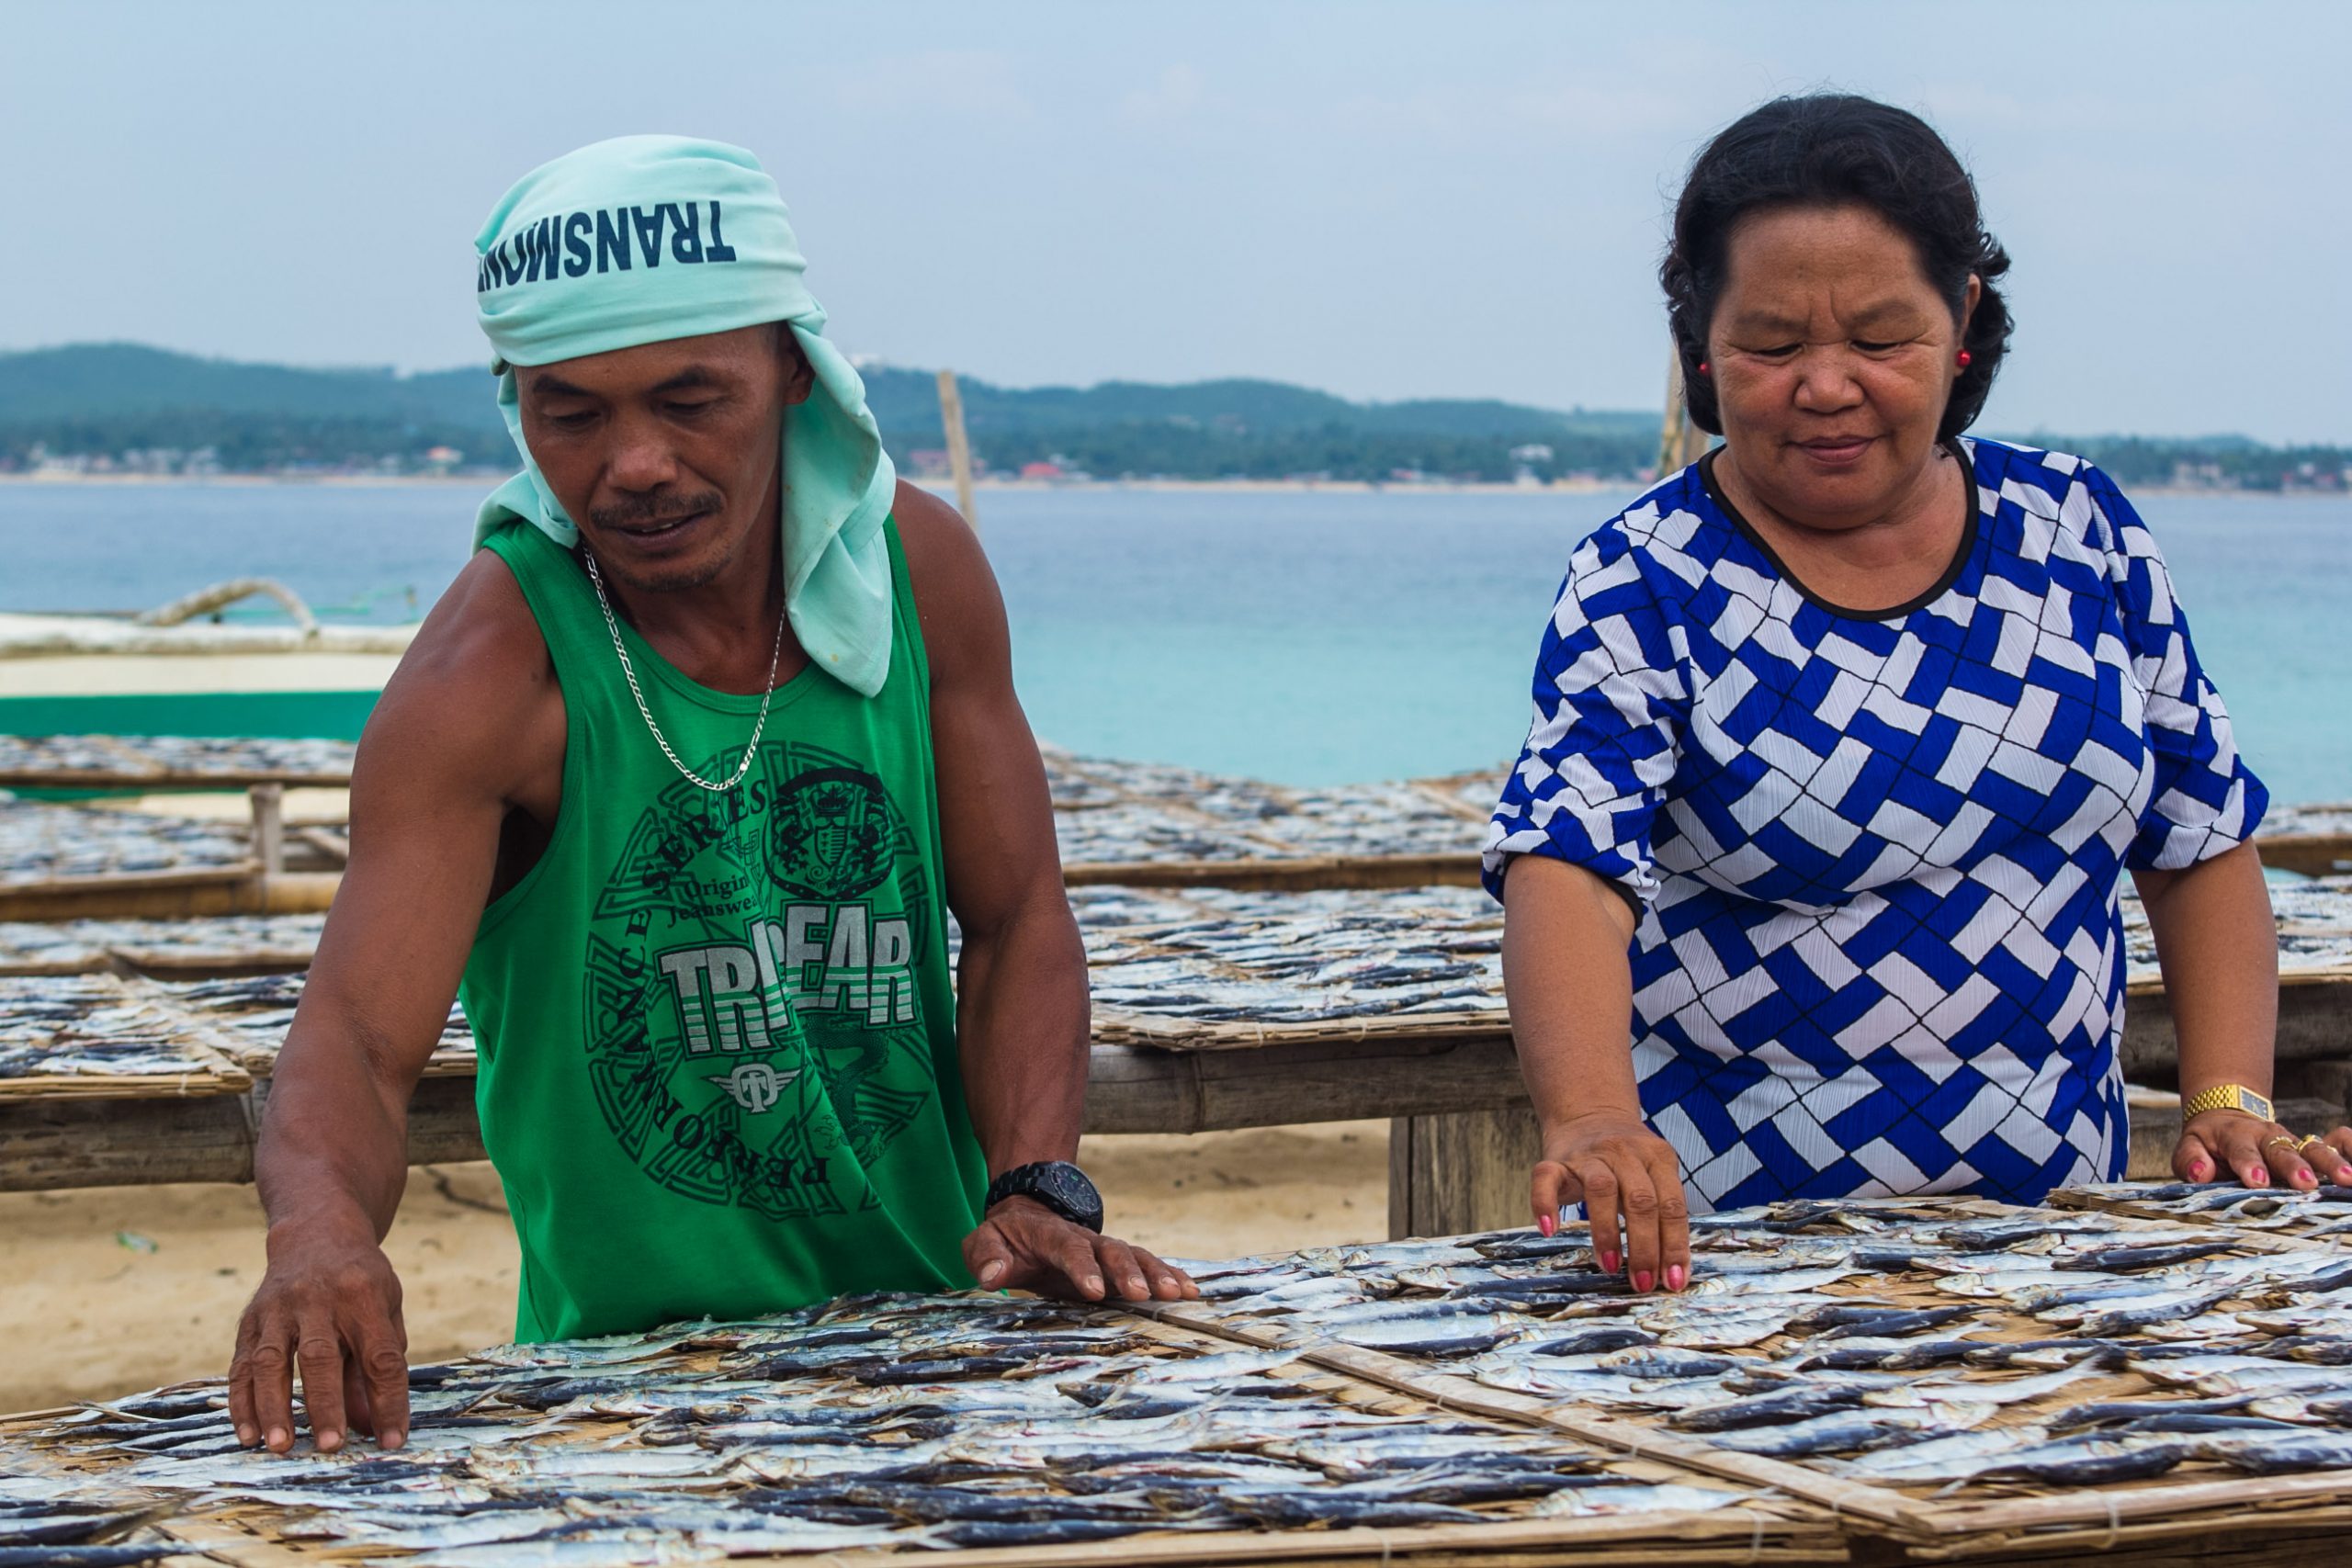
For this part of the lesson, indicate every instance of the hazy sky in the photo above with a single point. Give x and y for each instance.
(1386, 200)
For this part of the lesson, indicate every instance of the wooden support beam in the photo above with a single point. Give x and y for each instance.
(1461, 1141)
(47, 1144)
(268, 802)
(172, 896)
(2314, 854)
(335, 847)
(1140, 1089)
(1308, 873)
(2314, 1024)
(1465, 1171)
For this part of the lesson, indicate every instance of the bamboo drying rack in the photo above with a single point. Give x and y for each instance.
(1788, 1512)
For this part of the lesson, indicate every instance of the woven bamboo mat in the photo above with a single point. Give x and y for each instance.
(168, 762)
(675, 1441)
(250, 1014)
(1189, 969)
(47, 847)
(94, 1036)
(2322, 1217)
(679, 1433)
(1954, 1513)
(197, 947)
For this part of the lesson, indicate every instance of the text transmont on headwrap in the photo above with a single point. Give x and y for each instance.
(531, 253)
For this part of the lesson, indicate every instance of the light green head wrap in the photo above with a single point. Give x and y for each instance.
(644, 238)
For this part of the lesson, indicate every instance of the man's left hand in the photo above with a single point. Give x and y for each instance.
(1023, 1245)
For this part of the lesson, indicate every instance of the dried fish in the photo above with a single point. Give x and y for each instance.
(136, 758)
(42, 842)
(57, 1029)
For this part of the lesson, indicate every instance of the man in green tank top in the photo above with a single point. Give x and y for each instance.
(680, 781)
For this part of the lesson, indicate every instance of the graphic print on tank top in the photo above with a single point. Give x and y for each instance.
(754, 1022)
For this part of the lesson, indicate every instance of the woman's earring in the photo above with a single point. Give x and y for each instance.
(1966, 359)
(1703, 367)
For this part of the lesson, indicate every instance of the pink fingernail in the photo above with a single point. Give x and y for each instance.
(1642, 1280)
(1674, 1277)
(1609, 1263)
(1545, 1225)
(2199, 1170)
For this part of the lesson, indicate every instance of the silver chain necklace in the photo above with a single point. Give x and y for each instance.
(767, 695)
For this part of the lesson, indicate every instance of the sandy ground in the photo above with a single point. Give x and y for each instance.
(112, 1289)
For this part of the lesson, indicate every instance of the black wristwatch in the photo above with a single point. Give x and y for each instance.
(1057, 1184)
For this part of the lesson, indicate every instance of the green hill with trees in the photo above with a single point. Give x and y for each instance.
(126, 406)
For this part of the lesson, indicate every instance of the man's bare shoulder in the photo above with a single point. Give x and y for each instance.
(476, 692)
(955, 592)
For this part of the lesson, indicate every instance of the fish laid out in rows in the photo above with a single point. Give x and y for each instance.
(2313, 917)
(134, 756)
(876, 1422)
(43, 841)
(1301, 958)
(255, 1011)
(2334, 818)
(84, 1026)
(1887, 1340)
(1111, 811)
(2322, 1211)
(1106, 810)
(1199, 955)
(93, 946)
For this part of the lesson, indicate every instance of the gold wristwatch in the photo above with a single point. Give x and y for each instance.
(2225, 1097)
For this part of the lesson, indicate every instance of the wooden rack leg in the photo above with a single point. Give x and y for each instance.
(269, 804)
(1466, 1171)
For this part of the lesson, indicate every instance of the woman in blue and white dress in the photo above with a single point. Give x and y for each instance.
(1844, 739)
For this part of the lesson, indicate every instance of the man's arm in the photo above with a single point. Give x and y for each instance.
(1021, 1009)
(467, 729)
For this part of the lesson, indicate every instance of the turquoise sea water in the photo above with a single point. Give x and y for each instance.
(1303, 636)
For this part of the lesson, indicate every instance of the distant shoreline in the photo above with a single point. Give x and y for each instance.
(490, 480)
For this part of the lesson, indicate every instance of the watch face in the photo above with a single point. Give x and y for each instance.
(1070, 1191)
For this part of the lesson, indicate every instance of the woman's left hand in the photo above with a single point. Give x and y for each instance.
(2219, 1145)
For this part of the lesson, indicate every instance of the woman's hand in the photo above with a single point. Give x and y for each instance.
(1624, 1175)
(2221, 1145)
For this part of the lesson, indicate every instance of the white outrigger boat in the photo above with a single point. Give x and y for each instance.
(180, 669)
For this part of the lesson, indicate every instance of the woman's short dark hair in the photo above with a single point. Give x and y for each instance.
(1836, 150)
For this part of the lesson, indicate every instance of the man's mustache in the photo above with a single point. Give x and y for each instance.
(652, 512)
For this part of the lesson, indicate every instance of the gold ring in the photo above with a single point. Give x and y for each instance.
(2286, 1138)
(2307, 1141)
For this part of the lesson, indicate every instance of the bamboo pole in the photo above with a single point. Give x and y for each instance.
(1448, 1392)
(1680, 443)
(172, 895)
(959, 450)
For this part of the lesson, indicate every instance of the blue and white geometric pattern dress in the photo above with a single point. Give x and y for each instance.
(1879, 856)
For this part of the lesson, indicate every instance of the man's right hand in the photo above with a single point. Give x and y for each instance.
(1622, 1173)
(329, 1305)
(468, 736)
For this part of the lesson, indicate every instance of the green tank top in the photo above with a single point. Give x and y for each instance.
(717, 1042)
